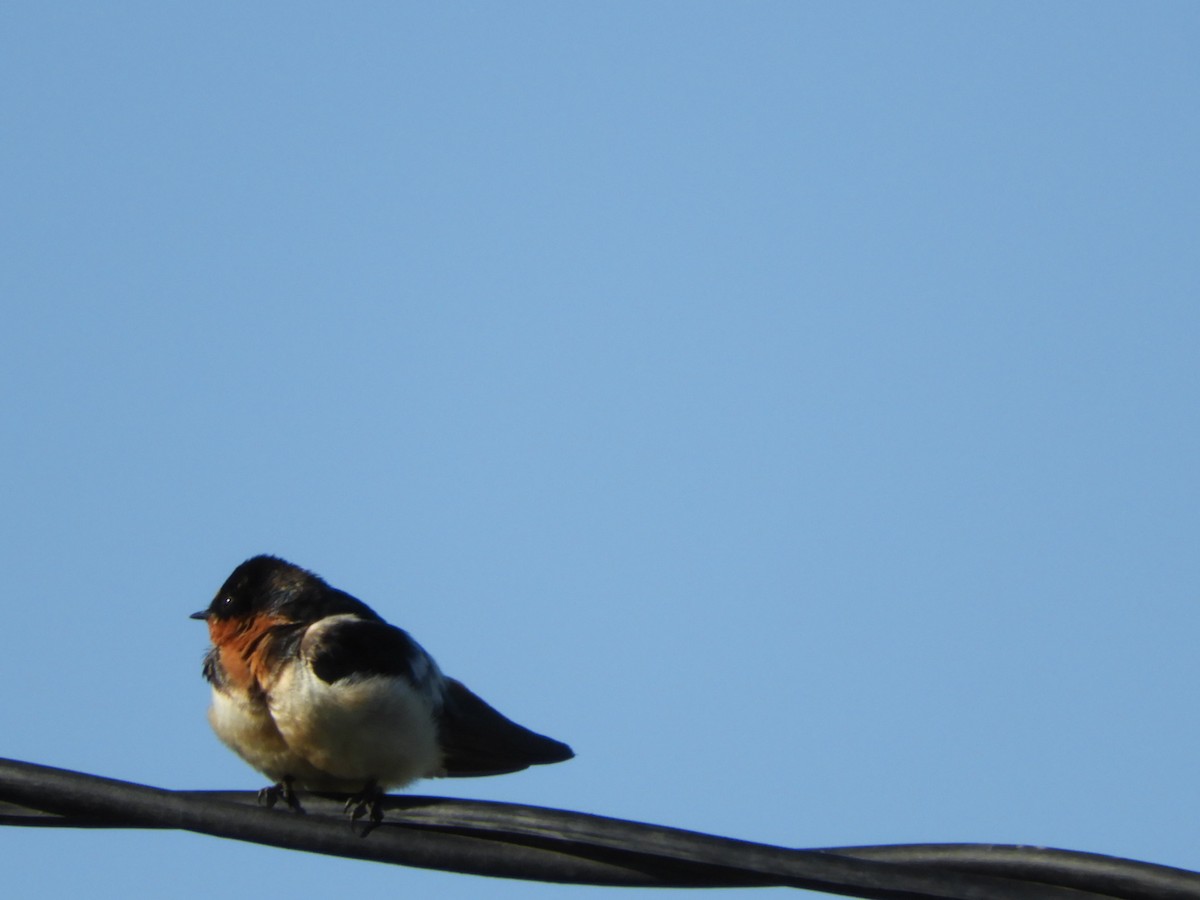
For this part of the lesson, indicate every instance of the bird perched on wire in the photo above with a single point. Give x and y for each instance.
(311, 687)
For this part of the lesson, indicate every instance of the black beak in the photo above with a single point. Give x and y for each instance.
(203, 614)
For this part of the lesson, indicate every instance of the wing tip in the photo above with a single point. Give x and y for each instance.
(556, 752)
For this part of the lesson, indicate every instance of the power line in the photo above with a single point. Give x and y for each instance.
(534, 843)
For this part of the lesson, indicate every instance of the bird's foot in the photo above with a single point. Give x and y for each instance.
(284, 791)
(368, 805)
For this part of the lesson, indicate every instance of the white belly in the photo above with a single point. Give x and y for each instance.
(248, 730)
(354, 730)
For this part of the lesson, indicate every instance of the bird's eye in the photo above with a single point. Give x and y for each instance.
(227, 601)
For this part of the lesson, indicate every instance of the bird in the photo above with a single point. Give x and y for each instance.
(311, 687)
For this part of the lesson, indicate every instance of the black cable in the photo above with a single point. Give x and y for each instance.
(1070, 868)
(513, 841)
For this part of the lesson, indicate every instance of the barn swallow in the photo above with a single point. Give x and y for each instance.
(312, 688)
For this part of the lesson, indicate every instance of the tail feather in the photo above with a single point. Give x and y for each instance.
(478, 740)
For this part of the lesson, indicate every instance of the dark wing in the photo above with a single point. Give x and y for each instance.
(477, 740)
(361, 648)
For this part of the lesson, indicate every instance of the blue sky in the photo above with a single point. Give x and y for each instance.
(791, 406)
